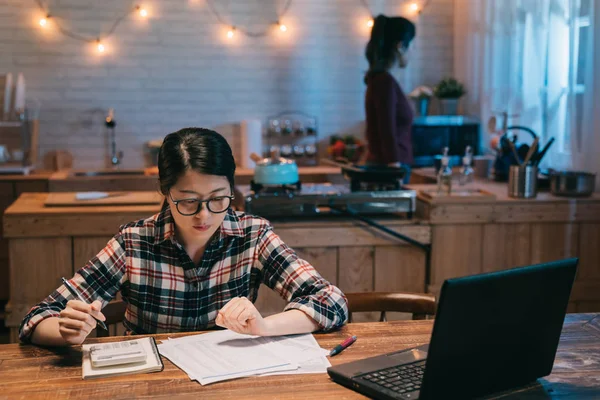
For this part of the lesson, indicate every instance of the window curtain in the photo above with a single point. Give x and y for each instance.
(531, 59)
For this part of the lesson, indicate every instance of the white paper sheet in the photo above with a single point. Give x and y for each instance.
(223, 355)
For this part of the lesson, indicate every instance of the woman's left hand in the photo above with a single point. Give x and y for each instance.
(240, 315)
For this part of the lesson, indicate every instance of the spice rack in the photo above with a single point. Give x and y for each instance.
(294, 135)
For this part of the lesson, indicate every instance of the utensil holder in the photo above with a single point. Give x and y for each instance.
(522, 181)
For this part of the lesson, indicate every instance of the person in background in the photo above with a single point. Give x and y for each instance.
(388, 110)
(194, 265)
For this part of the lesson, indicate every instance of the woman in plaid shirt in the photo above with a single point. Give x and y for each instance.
(194, 265)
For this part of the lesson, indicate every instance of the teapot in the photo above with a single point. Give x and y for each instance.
(275, 170)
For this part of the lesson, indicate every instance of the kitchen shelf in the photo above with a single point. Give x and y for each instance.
(23, 136)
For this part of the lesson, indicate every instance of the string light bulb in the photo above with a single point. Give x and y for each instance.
(44, 21)
(282, 27)
(231, 32)
(414, 7)
(143, 12)
(100, 46)
(370, 23)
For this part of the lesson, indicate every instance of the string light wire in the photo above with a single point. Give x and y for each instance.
(236, 28)
(74, 35)
(211, 5)
(424, 5)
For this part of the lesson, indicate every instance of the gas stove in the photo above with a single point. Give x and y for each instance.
(327, 199)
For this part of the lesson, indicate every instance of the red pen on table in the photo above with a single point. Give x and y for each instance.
(340, 347)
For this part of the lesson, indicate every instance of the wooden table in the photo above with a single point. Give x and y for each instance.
(33, 372)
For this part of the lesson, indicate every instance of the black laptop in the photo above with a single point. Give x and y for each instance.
(492, 332)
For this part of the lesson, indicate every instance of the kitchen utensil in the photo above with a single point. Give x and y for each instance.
(368, 173)
(91, 195)
(522, 151)
(483, 166)
(4, 154)
(532, 151)
(522, 128)
(514, 151)
(538, 158)
(522, 181)
(508, 154)
(275, 170)
(492, 124)
(6, 87)
(572, 183)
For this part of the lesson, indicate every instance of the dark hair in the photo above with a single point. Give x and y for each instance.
(386, 34)
(198, 149)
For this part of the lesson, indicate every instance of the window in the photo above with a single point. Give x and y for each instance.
(569, 29)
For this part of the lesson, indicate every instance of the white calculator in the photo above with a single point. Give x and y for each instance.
(117, 353)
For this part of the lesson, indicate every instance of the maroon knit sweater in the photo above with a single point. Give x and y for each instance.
(389, 121)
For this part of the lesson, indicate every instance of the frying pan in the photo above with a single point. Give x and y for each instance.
(368, 173)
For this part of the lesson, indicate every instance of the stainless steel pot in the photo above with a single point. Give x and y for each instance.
(572, 183)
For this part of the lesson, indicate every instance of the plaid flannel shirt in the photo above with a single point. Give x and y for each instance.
(166, 292)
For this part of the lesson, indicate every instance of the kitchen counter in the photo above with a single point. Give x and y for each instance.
(473, 235)
(303, 171)
(348, 253)
(35, 175)
(499, 207)
(65, 181)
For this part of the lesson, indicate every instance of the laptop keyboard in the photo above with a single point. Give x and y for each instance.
(401, 379)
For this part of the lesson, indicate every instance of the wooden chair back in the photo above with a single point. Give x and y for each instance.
(420, 305)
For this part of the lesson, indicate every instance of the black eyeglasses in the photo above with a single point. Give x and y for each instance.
(189, 207)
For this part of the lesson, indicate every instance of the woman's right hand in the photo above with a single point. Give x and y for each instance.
(76, 322)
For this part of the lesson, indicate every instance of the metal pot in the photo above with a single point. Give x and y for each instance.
(572, 183)
(275, 170)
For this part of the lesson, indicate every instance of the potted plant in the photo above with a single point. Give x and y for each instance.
(421, 96)
(449, 91)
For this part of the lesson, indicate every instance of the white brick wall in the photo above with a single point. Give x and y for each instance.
(178, 69)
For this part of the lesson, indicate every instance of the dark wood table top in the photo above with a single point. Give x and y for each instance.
(29, 372)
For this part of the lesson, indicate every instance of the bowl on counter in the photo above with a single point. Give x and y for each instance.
(572, 183)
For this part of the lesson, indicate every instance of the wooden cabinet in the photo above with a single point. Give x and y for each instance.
(10, 189)
(6, 198)
(395, 267)
(468, 239)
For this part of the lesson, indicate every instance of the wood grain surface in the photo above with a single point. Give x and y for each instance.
(33, 372)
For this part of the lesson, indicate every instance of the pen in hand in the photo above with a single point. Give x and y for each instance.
(75, 293)
(340, 347)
